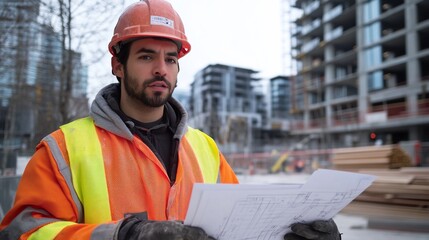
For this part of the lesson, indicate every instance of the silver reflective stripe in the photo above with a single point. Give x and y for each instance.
(105, 231)
(24, 222)
(65, 171)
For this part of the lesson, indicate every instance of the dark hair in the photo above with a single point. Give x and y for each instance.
(123, 54)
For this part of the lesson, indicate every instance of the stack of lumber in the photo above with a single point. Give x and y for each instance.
(395, 194)
(400, 193)
(371, 157)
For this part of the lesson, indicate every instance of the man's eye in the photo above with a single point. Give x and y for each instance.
(145, 57)
(172, 60)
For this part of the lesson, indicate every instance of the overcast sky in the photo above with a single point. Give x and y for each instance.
(234, 32)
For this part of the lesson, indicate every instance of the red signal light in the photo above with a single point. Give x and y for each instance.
(372, 136)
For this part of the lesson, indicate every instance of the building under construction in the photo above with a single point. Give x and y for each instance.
(362, 71)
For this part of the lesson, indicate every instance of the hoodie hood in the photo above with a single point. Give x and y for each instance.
(105, 117)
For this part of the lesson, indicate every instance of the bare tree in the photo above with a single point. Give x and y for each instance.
(47, 104)
(81, 23)
(17, 70)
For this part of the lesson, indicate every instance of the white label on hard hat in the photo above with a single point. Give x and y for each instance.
(158, 20)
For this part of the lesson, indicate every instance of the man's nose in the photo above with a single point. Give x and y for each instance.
(160, 68)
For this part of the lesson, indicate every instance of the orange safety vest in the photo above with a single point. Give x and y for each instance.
(91, 175)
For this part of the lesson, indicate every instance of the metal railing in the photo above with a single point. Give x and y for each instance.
(392, 111)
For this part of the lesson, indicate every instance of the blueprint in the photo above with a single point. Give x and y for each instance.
(266, 211)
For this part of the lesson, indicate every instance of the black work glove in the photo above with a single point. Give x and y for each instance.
(133, 228)
(320, 230)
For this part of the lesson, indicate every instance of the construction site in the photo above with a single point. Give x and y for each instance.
(354, 96)
(359, 102)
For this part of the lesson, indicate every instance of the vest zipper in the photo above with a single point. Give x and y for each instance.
(174, 161)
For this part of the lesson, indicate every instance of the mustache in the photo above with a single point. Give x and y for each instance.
(157, 79)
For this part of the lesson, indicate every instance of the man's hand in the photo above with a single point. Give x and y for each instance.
(320, 230)
(136, 229)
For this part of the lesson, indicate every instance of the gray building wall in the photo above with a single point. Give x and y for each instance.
(362, 70)
(225, 104)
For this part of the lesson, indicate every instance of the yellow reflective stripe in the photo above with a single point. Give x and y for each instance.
(49, 231)
(206, 152)
(87, 167)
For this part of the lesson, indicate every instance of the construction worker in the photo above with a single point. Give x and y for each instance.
(127, 170)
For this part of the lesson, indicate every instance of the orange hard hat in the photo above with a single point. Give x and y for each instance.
(150, 18)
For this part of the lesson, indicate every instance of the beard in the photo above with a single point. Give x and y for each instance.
(138, 93)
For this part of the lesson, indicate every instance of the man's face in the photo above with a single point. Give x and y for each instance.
(150, 75)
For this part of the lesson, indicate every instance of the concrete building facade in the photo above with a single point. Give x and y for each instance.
(225, 104)
(363, 71)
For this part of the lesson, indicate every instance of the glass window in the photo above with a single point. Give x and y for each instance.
(372, 33)
(373, 56)
(375, 81)
(371, 10)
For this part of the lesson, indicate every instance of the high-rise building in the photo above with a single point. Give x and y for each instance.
(362, 71)
(30, 78)
(225, 104)
(279, 93)
(183, 97)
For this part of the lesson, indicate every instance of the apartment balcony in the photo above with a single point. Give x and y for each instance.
(393, 77)
(393, 50)
(297, 124)
(317, 67)
(344, 91)
(314, 28)
(211, 87)
(342, 37)
(386, 114)
(345, 118)
(312, 9)
(317, 123)
(315, 84)
(334, 12)
(209, 78)
(335, 33)
(344, 99)
(423, 36)
(310, 45)
(400, 110)
(349, 78)
(422, 11)
(423, 107)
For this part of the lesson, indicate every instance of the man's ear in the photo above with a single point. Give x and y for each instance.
(117, 68)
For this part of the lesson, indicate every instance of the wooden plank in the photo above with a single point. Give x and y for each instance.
(399, 224)
(398, 188)
(362, 161)
(381, 172)
(417, 181)
(393, 201)
(373, 210)
(362, 149)
(360, 166)
(398, 165)
(403, 179)
(412, 196)
(362, 155)
(416, 170)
